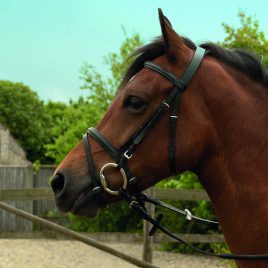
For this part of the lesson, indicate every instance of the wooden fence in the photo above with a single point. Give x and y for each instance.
(42, 179)
(20, 187)
(19, 178)
(16, 183)
(44, 194)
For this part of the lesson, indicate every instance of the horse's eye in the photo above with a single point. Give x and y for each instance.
(134, 104)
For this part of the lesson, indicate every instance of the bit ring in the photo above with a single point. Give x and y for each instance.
(103, 179)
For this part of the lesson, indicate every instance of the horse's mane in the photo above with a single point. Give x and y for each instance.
(242, 60)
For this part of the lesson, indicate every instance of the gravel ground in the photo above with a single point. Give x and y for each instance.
(46, 253)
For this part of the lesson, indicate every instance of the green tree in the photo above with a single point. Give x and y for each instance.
(56, 115)
(23, 113)
(247, 36)
(118, 63)
(68, 127)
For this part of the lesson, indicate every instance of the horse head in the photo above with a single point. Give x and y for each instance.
(139, 96)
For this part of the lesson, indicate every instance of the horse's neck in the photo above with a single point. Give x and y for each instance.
(235, 173)
(239, 119)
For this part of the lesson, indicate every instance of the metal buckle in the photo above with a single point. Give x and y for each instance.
(96, 190)
(126, 155)
(165, 104)
(103, 179)
(132, 204)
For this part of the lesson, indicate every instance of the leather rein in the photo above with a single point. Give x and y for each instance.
(130, 190)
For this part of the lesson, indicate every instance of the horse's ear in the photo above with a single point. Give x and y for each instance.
(172, 41)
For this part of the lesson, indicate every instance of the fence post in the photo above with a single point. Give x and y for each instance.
(147, 254)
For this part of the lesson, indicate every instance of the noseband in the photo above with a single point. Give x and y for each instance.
(129, 189)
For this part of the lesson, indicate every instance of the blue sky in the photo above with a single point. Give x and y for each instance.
(44, 42)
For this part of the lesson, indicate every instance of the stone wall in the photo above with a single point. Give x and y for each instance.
(10, 151)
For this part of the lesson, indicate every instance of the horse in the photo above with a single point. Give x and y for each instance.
(217, 128)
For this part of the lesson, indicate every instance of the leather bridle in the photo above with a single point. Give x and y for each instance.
(130, 190)
(122, 155)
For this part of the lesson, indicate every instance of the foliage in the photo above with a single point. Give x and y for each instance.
(203, 209)
(248, 36)
(68, 126)
(36, 166)
(119, 62)
(118, 218)
(22, 112)
(186, 180)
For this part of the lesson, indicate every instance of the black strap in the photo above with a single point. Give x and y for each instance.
(91, 167)
(172, 134)
(181, 84)
(158, 202)
(148, 126)
(139, 208)
(193, 66)
(178, 82)
(144, 129)
(222, 256)
(104, 143)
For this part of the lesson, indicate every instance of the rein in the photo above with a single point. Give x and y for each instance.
(130, 190)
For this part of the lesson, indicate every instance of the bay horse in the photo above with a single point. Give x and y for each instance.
(221, 133)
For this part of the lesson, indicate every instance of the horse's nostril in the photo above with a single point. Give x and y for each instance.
(57, 183)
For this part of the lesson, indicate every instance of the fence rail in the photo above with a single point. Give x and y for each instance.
(114, 236)
(42, 193)
(45, 193)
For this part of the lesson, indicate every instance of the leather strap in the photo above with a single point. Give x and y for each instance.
(92, 173)
(172, 134)
(181, 84)
(178, 82)
(104, 143)
(183, 81)
(194, 64)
